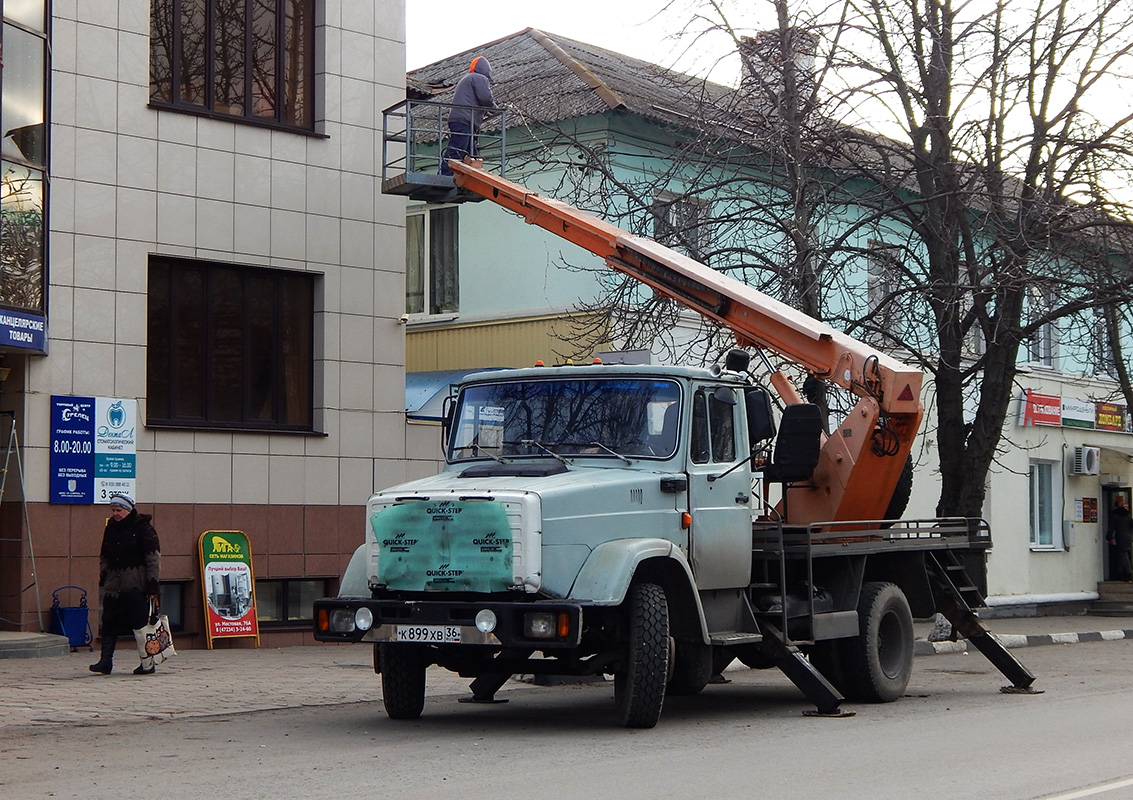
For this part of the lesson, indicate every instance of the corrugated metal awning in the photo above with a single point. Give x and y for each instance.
(425, 392)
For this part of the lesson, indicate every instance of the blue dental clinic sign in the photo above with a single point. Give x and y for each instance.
(93, 448)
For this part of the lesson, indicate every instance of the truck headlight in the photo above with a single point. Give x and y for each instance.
(342, 620)
(539, 625)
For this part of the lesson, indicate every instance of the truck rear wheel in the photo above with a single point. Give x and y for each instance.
(878, 662)
(403, 680)
(639, 683)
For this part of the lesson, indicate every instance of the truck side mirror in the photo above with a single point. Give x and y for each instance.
(448, 409)
(760, 423)
(798, 448)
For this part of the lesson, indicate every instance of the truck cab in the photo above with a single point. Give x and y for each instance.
(562, 486)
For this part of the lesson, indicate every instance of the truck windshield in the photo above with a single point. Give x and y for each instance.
(602, 418)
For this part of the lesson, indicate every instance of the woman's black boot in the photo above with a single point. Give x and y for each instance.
(106, 662)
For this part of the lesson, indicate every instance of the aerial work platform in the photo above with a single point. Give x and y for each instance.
(414, 136)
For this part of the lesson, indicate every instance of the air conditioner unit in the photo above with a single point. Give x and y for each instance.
(1087, 461)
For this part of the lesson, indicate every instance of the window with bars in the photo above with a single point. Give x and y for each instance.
(229, 346)
(246, 59)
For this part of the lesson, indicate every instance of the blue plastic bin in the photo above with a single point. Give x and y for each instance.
(72, 621)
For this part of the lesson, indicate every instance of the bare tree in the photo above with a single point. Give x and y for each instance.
(996, 168)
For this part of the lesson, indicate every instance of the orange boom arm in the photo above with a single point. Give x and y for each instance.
(861, 461)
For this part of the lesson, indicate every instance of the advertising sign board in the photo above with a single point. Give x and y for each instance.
(93, 448)
(228, 585)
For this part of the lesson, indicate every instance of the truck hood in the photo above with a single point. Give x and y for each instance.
(558, 516)
(547, 479)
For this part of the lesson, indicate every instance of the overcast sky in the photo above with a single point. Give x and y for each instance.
(438, 28)
(435, 29)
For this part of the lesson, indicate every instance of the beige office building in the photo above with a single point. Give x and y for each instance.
(196, 249)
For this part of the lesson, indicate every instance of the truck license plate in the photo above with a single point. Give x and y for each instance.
(428, 634)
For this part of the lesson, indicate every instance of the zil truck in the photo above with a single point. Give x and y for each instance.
(655, 523)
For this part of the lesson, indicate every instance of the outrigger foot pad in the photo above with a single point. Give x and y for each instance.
(839, 713)
(484, 701)
(1020, 690)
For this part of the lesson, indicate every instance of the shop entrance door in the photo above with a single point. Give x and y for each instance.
(1109, 558)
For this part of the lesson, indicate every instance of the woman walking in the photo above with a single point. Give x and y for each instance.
(129, 569)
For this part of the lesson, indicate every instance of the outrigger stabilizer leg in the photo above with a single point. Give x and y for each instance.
(484, 688)
(972, 628)
(792, 663)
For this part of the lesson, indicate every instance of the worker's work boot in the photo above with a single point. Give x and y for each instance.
(106, 662)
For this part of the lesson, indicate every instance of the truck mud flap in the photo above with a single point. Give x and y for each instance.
(792, 663)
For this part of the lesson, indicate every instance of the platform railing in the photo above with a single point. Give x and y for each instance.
(414, 138)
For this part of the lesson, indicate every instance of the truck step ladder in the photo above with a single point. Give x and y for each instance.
(956, 594)
(731, 638)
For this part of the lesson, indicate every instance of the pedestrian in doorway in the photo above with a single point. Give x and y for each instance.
(1121, 537)
(129, 568)
(473, 94)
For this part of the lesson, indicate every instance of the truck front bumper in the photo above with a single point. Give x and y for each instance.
(539, 625)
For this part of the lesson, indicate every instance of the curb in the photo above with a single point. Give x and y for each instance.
(1013, 640)
(34, 645)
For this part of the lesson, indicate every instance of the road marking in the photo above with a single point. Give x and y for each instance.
(1105, 787)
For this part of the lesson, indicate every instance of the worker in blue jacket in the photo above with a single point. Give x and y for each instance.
(473, 94)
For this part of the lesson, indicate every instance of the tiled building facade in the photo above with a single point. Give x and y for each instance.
(215, 248)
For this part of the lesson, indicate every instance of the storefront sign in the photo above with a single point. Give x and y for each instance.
(229, 586)
(1041, 409)
(93, 448)
(26, 331)
(1110, 417)
(1071, 412)
(1078, 413)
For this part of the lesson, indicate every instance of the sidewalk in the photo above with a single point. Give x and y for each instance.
(196, 683)
(1033, 631)
(60, 690)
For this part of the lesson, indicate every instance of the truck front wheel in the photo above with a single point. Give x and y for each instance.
(639, 682)
(878, 662)
(403, 680)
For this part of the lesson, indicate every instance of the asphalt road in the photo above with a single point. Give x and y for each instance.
(953, 736)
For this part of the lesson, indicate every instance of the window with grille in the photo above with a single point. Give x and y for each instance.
(883, 282)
